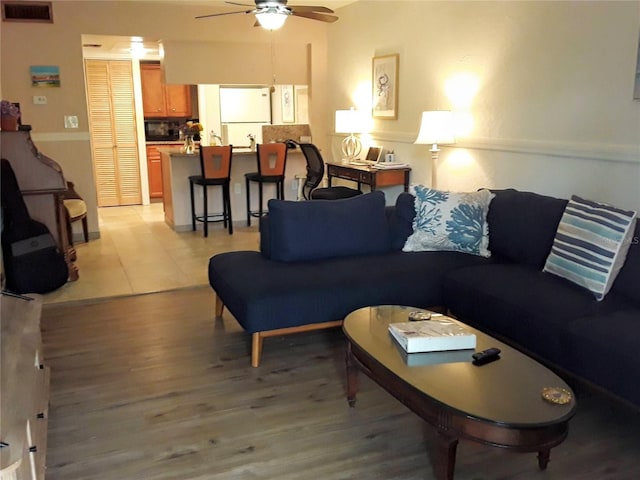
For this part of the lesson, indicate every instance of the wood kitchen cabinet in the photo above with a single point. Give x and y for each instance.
(161, 100)
(178, 100)
(154, 170)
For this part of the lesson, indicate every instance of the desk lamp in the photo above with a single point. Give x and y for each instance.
(436, 128)
(349, 121)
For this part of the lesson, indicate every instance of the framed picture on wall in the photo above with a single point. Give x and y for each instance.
(288, 113)
(384, 79)
(45, 76)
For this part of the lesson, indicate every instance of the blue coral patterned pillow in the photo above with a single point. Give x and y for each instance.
(450, 221)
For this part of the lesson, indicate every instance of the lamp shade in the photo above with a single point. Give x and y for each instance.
(348, 121)
(436, 128)
(271, 20)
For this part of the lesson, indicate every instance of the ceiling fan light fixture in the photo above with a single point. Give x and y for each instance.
(271, 14)
(271, 18)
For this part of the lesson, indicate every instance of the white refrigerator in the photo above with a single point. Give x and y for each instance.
(243, 111)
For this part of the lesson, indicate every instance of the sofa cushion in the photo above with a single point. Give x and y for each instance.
(627, 281)
(265, 295)
(521, 303)
(591, 244)
(604, 349)
(450, 221)
(317, 229)
(522, 226)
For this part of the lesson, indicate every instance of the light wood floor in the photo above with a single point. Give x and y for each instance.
(151, 387)
(137, 252)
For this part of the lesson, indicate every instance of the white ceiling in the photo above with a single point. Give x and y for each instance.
(120, 46)
(333, 4)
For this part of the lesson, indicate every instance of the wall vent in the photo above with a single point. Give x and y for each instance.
(23, 11)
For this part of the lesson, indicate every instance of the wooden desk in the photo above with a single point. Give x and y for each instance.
(42, 185)
(364, 174)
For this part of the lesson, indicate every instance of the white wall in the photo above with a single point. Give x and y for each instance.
(553, 110)
(60, 43)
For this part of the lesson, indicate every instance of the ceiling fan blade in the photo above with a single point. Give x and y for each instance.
(240, 4)
(308, 8)
(315, 16)
(221, 14)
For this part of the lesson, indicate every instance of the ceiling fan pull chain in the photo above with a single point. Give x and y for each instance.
(273, 62)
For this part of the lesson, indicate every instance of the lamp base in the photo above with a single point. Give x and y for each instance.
(351, 147)
(434, 165)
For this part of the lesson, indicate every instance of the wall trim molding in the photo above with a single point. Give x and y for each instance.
(60, 137)
(601, 152)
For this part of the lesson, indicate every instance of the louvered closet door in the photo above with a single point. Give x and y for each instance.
(113, 132)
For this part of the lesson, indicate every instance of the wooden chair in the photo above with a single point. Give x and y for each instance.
(215, 165)
(272, 161)
(76, 209)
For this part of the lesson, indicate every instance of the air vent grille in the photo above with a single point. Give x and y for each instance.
(16, 11)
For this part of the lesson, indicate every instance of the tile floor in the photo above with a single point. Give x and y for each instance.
(138, 253)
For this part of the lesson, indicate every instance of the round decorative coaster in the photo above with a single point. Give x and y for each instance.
(559, 396)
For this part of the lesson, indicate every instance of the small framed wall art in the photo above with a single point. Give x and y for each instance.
(45, 76)
(385, 86)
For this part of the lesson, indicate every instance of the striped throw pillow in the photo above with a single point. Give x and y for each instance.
(591, 244)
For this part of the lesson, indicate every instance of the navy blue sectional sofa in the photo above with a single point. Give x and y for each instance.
(320, 260)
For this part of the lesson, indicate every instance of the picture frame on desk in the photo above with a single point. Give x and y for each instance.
(384, 80)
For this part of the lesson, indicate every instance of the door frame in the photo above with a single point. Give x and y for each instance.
(137, 96)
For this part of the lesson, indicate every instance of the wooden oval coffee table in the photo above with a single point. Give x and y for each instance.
(498, 404)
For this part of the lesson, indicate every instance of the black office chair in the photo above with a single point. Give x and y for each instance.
(215, 164)
(272, 163)
(315, 173)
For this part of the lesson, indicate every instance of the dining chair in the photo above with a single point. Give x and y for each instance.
(215, 167)
(76, 210)
(272, 161)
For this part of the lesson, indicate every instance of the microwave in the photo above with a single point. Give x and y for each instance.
(162, 130)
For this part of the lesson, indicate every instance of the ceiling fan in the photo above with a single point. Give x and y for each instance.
(271, 14)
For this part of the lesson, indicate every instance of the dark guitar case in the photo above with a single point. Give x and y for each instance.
(32, 260)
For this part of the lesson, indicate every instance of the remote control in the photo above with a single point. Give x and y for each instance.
(486, 356)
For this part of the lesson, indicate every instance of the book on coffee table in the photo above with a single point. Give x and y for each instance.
(421, 359)
(435, 335)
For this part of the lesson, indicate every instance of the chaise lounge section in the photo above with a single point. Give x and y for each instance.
(320, 260)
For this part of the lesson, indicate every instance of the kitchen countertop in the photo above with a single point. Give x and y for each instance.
(165, 142)
(178, 166)
(178, 151)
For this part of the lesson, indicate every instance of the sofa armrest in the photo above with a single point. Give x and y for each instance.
(265, 239)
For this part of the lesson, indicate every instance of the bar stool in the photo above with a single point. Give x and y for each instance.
(215, 165)
(272, 161)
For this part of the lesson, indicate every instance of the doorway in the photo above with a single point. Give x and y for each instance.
(113, 127)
